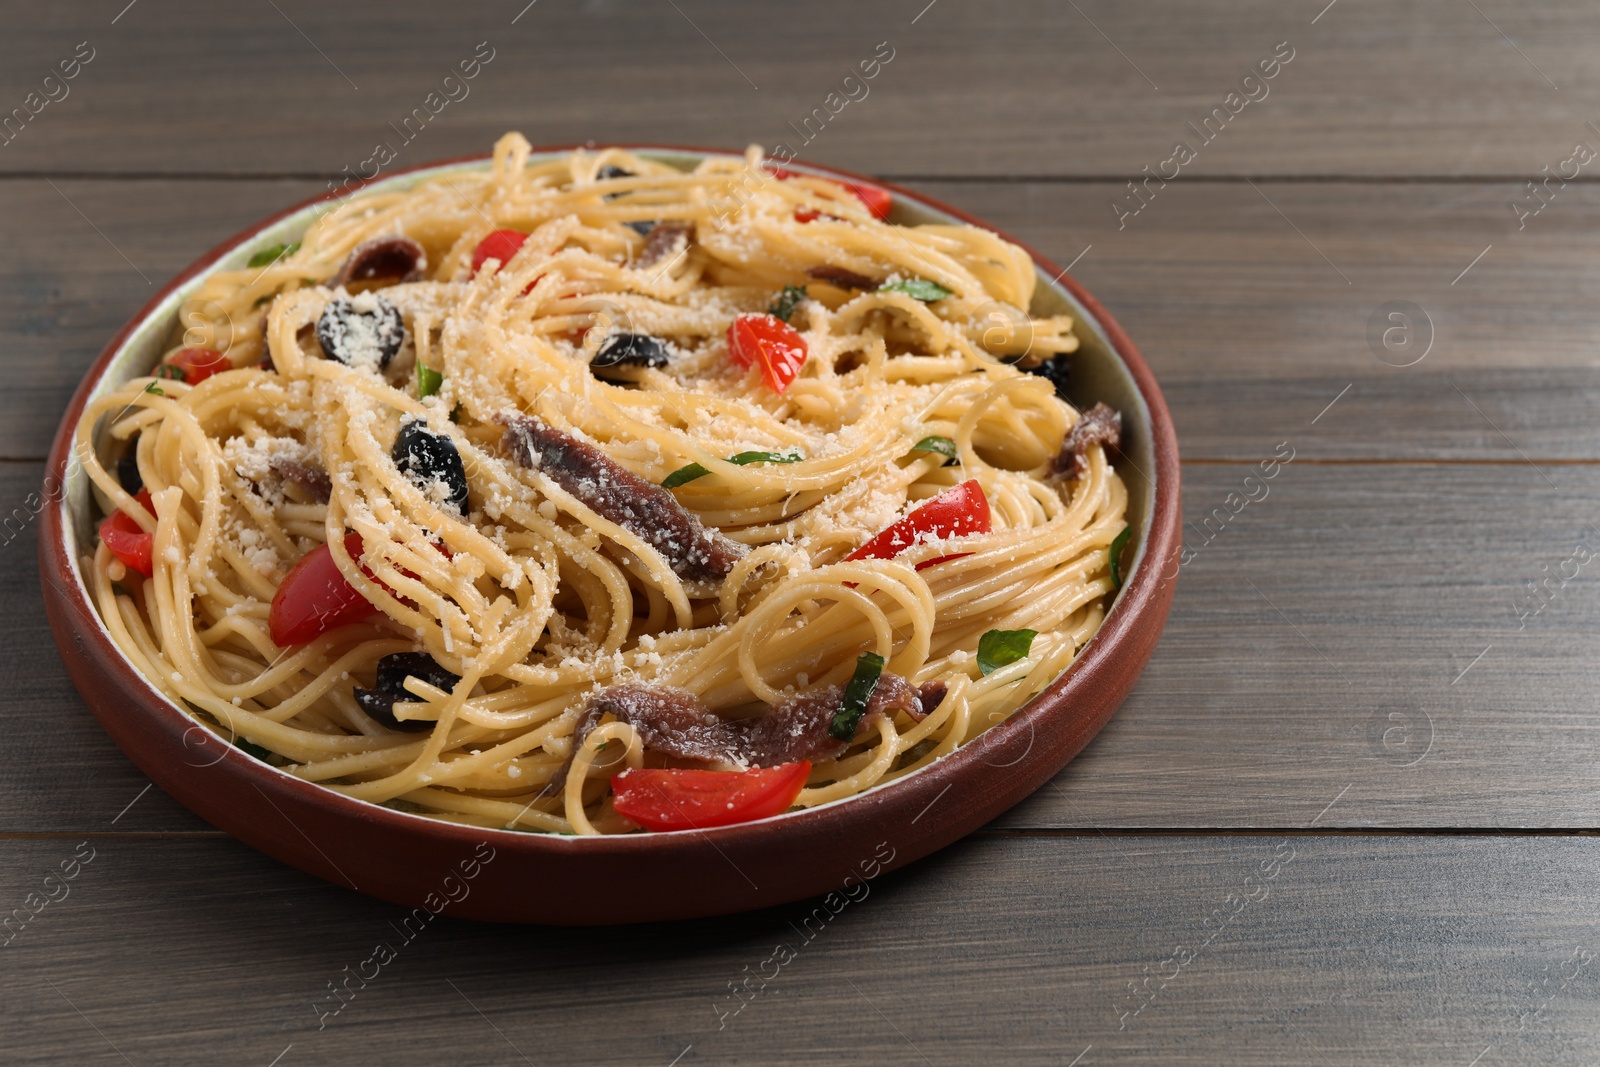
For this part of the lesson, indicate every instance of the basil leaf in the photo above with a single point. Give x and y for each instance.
(169, 371)
(942, 445)
(917, 289)
(156, 389)
(684, 475)
(744, 459)
(428, 381)
(998, 648)
(268, 256)
(788, 300)
(1117, 545)
(869, 665)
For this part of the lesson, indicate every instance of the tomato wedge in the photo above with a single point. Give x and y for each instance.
(194, 365)
(771, 342)
(956, 512)
(877, 200)
(670, 799)
(501, 245)
(129, 542)
(315, 598)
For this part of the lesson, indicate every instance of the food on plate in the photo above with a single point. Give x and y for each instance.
(591, 495)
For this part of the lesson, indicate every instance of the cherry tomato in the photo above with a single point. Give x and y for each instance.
(956, 512)
(670, 799)
(771, 342)
(879, 201)
(315, 598)
(194, 365)
(501, 245)
(129, 542)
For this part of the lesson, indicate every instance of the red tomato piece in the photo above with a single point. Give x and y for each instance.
(806, 214)
(129, 542)
(315, 597)
(198, 364)
(501, 245)
(957, 512)
(671, 799)
(877, 200)
(769, 341)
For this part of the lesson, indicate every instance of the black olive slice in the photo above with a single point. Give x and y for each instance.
(361, 331)
(1055, 369)
(128, 468)
(393, 670)
(429, 458)
(630, 350)
(392, 258)
(609, 171)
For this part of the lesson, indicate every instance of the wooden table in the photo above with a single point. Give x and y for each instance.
(1358, 704)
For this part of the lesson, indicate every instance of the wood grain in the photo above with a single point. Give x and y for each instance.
(1345, 669)
(1324, 642)
(1016, 951)
(1094, 89)
(1249, 330)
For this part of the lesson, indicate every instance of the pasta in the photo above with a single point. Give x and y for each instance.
(467, 430)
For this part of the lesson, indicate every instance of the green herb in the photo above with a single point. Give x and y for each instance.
(869, 665)
(428, 381)
(744, 459)
(1117, 544)
(268, 256)
(253, 749)
(683, 476)
(154, 388)
(788, 300)
(998, 648)
(942, 445)
(917, 289)
(167, 370)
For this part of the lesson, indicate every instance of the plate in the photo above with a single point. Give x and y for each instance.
(510, 876)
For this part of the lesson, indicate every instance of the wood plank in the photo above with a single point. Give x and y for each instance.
(1035, 88)
(1254, 321)
(1362, 633)
(1019, 951)
(1390, 580)
(1249, 329)
(86, 257)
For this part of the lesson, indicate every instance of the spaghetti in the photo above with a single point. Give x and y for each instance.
(595, 464)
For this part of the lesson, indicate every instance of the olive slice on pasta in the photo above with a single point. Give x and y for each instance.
(432, 461)
(630, 350)
(362, 331)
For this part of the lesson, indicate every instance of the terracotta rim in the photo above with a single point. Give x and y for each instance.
(1128, 633)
